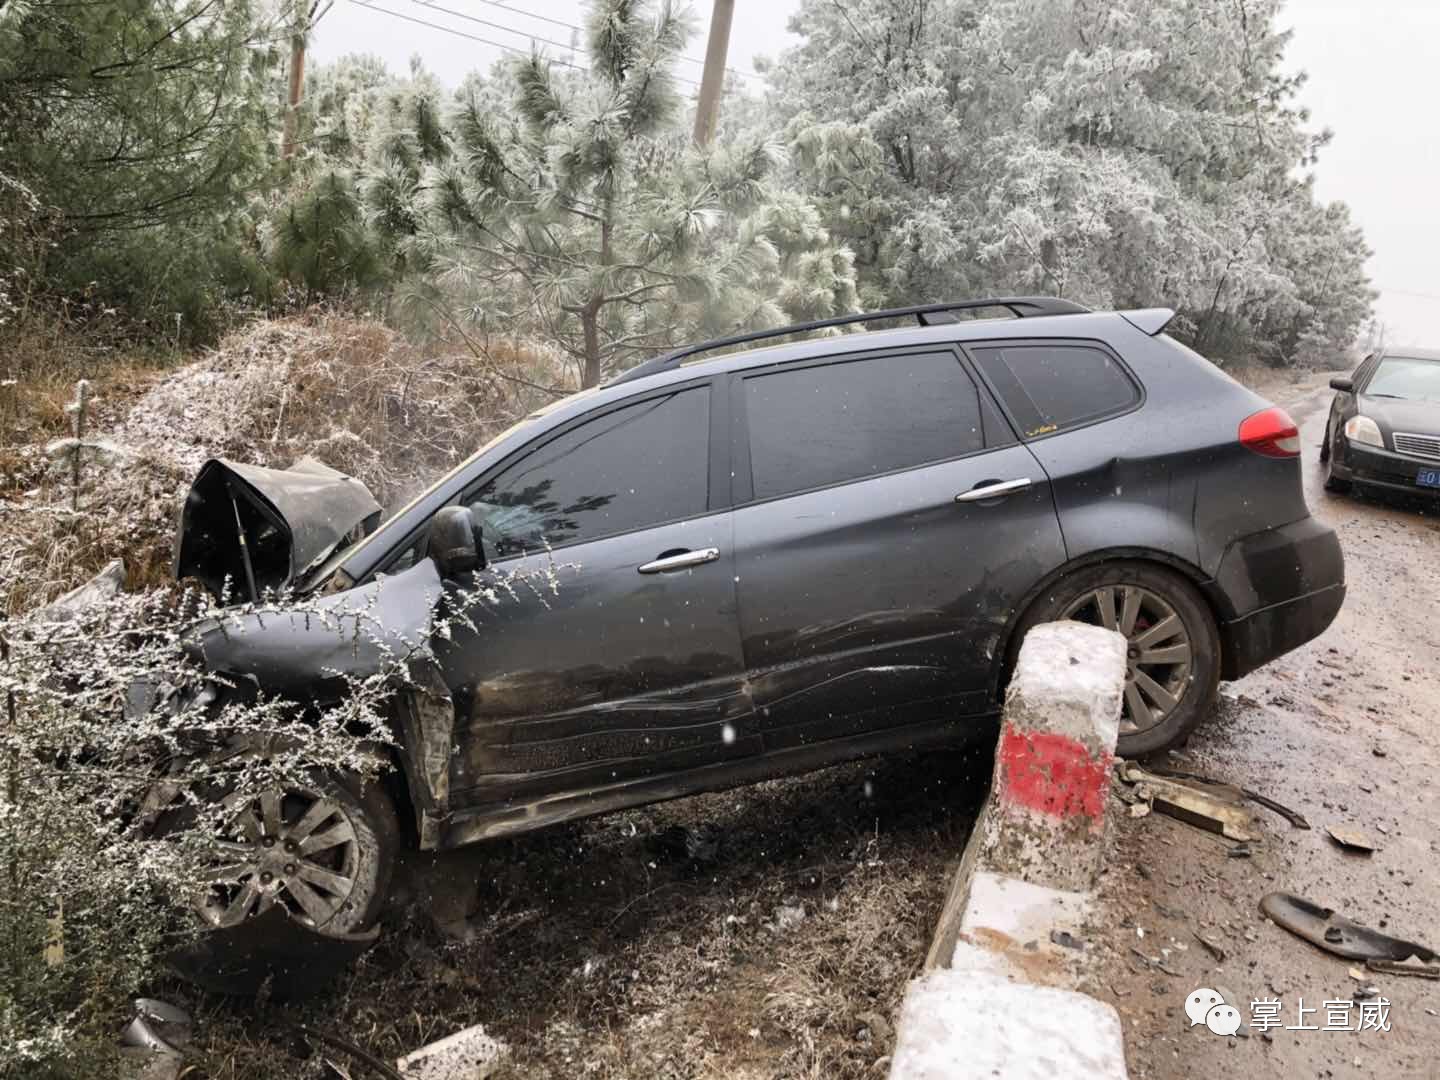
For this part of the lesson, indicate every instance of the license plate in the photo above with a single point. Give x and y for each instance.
(1428, 477)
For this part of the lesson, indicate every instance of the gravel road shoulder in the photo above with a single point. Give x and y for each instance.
(1342, 730)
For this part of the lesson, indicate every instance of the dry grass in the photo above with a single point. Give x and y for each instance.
(349, 391)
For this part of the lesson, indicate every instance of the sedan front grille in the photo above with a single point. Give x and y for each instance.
(1422, 446)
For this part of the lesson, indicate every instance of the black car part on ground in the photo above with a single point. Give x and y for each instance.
(1334, 933)
(262, 528)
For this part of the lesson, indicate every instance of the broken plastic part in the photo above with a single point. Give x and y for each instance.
(1336, 934)
(1216, 808)
(267, 527)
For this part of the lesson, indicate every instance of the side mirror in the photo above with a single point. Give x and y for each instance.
(454, 542)
(1343, 383)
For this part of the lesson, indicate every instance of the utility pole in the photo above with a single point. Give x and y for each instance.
(297, 79)
(707, 111)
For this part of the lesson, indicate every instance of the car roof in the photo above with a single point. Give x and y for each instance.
(1406, 352)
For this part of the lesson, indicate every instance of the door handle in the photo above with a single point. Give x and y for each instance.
(994, 490)
(680, 561)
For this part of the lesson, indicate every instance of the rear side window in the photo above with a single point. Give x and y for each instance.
(629, 469)
(825, 425)
(1050, 388)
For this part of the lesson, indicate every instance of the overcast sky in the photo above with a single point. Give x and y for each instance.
(1373, 81)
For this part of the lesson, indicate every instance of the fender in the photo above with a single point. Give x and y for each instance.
(1189, 571)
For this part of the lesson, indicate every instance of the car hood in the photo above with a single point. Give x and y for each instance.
(281, 522)
(1392, 414)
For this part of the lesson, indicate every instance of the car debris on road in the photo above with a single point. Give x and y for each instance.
(1351, 839)
(1217, 808)
(1293, 816)
(1326, 930)
(470, 1054)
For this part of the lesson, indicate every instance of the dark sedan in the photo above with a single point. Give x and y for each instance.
(1384, 426)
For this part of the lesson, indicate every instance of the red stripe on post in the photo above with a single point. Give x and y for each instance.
(1053, 775)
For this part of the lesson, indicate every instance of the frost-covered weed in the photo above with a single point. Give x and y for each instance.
(91, 899)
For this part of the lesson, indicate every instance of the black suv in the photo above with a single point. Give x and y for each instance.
(783, 557)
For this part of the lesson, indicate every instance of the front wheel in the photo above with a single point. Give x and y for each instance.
(1334, 483)
(324, 851)
(1173, 669)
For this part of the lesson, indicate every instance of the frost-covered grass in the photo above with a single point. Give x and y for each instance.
(76, 875)
(94, 886)
(346, 390)
(88, 895)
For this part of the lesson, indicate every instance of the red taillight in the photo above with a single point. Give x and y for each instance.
(1271, 433)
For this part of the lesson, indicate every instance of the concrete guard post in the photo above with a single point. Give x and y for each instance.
(998, 997)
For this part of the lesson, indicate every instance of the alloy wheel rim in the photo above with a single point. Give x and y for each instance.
(1158, 649)
(294, 848)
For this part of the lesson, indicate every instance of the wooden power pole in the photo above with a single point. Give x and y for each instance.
(707, 112)
(297, 79)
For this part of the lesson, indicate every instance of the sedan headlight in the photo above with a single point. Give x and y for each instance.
(1363, 430)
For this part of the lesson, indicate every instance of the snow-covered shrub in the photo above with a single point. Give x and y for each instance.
(91, 898)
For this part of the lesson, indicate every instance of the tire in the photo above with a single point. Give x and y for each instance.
(337, 888)
(1176, 689)
(1336, 484)
(1332, 483)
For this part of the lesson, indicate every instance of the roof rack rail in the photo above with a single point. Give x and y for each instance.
(1021, 307)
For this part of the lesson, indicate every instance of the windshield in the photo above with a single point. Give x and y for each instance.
(1406, 378)
(384, 531)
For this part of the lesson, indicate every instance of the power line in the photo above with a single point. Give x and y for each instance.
(458, 33)
(531, 14)
(476, 37)
(744, 74)
(493, 25)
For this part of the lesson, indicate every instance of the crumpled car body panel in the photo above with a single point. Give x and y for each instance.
(289, 519)
(353, 634)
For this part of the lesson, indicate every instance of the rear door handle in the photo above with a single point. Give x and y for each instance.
(680, 561)
(993, 490)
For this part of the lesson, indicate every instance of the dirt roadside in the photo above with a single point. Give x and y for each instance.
(1342, 730)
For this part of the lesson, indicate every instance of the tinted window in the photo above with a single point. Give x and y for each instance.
(1051, 387)
(626, 470)
(825, 425)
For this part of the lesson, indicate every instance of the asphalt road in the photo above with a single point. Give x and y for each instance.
(1347, 731)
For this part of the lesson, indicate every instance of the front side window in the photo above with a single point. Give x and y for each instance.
(1049, 388)
(629, 469)
(830, 424)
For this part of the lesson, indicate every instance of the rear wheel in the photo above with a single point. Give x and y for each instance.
(1173, 646)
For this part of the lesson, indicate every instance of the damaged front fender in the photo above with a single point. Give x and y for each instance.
(353, 634)
(308, 653)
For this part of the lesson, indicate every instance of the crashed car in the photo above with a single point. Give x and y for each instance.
(775, 559)
(1383, 431)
